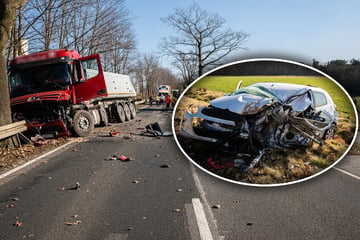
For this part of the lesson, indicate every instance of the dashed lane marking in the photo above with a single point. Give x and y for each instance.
(204, 229)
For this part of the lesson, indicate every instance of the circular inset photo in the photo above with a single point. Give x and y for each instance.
(265, 122)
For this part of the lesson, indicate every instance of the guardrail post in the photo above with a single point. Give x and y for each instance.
(11, 131)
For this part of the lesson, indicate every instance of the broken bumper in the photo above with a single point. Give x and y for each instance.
(189, 120)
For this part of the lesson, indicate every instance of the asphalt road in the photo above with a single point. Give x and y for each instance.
(160, 195)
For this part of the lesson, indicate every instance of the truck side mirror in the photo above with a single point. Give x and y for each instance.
(79, 72)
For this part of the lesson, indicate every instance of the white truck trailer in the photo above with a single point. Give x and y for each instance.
(120, 102)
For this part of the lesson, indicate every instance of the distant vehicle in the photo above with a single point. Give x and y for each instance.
(164, 90)
(58, 92)
(263, 116)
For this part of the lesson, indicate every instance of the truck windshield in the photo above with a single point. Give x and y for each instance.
(39, 79)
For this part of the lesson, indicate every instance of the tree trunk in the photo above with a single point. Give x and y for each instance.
(7, 18)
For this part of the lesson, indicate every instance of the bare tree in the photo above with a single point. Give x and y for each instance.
(92, 26)
(149, 75)
(187, 65)
(200, 37)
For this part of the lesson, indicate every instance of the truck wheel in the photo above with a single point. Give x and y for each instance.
(104, 118)
(120, 113)
(132, 110)
(83, 123)
(127, 112)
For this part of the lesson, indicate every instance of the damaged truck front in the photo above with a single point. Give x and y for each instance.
(263, 116)
(58, 92)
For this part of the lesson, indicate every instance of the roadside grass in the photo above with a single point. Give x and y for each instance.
(279, 165)
(355, 149)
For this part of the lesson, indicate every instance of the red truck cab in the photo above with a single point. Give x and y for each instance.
(48, 88)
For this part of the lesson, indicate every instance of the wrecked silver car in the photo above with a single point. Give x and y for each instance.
(262, 116)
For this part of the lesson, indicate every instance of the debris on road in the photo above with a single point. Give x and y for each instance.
(165, 166)
(39, 140)
(216, 206)
(123, 158)
(120, 158)
(73, 223)
(176, 210)
(11, 205)
(18, 224)
(155, 130)
(136, 181)
(113, 134)
(76, 187)
(179, 190)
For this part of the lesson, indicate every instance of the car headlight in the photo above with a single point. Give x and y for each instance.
(193, 109)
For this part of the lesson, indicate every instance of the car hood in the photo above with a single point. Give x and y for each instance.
(255, 98)
(244, 104)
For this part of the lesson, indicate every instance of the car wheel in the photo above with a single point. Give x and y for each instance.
(330, 133)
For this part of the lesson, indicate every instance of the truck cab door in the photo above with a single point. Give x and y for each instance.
(89, 79)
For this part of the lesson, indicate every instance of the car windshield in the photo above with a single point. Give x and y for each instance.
(39, 79)
(257, 91)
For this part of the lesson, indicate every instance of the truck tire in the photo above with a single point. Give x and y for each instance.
(132, 110)
(104, 117)
(120, 113)
(127, 112)
(83, 123)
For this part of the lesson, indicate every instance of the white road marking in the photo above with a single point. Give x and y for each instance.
(204, 229)
(206, 205)
(14, 170)
(191, 222)
(347, 173)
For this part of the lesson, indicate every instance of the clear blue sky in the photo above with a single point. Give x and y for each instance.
(296, 30)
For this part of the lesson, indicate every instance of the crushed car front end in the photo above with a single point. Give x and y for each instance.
(262, 116)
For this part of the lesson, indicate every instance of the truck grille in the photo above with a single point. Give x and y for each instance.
(35, 98)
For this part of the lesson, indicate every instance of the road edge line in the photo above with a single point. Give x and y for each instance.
(347, 173)
(14, 170)
(201, 220)
(202, 193)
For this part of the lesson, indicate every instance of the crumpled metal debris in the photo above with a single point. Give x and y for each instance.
(155, 130)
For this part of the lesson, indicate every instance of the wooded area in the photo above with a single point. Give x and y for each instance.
(347, 73)
(93, 26)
